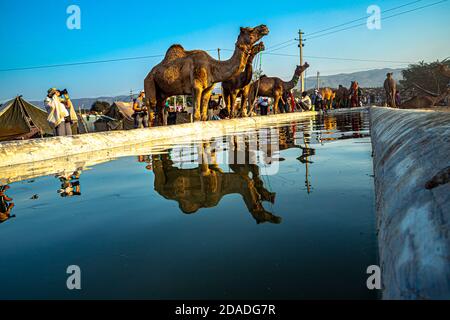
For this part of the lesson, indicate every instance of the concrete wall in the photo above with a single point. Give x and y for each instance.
(411, 166)
(25, 152)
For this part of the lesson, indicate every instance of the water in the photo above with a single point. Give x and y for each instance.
(207, 232)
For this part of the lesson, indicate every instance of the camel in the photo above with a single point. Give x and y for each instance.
(274, 87)
(206, 185)
(328, 96)
(195, 72)
(232, 87)
(424, 101)
(390, 88)
(342, 94)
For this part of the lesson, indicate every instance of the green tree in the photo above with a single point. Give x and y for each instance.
(425, 77)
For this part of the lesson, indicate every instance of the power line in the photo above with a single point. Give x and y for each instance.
(362, 18)
(279, 44)
(85, 62)
(338, 58)
(285, 46)
(79, 63)
(385, 18)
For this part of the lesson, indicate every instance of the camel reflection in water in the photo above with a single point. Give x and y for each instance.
(205, 185)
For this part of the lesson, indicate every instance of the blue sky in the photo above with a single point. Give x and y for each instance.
(34, 33)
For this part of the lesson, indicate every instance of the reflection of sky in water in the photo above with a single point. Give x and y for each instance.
(132, 241)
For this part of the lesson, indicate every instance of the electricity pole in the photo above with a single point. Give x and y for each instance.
(301, 45)
(218, 53)
(318, 75)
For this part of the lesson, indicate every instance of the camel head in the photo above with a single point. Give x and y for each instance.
(249, 36)
(300, 69)
(257, 48)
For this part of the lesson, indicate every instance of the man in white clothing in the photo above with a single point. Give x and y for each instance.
(58, 116)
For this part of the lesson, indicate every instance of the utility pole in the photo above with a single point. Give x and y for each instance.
(301, 45)
(131, 94)
(218, 53)
(318, 75)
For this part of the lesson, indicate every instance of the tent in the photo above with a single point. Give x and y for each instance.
(20, 119)
(118, 117)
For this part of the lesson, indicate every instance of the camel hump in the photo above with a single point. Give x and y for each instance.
(175, 51)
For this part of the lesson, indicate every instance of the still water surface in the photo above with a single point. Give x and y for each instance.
(299, 224)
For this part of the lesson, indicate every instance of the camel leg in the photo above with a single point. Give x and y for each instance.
(159, 112)
(204, 102)
(276, 101)
(150, 91)
(244, 98)
(233, 105)
(227, 98)
(251, 99)
(197, 102)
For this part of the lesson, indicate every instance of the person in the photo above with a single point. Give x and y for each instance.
(283, 103)
(140, 111)
(354, 94)
(65, 99)
(390, 87)
(398, 99)
(305, 102)
(172, 115)
(318, 100)
(58, 116)
(5, 205)
(263, 103)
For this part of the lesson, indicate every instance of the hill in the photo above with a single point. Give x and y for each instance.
(366, 79)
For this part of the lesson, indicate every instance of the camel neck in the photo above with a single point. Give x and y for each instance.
(246, 76)
(291, 84)
(225, 70)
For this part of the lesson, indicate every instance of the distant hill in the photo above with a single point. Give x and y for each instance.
(368, 79)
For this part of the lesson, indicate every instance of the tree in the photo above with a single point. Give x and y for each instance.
(100, 107)
(427, 77)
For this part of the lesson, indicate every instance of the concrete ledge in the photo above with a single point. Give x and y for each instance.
(412, 149)
(25, 152)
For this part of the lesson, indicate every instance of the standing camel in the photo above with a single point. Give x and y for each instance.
(195, 72)
(390, 87)
(274, 87)
(342, 97)
(232, 87)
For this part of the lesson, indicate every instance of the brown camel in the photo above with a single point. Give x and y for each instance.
(274, 87)
(231, 87)
(424, 101)
(342, 94)
(206, 185)
(195, 72)
(390, 87)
